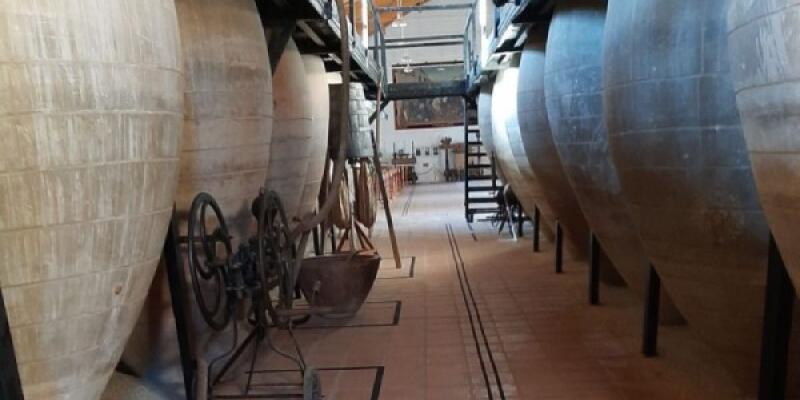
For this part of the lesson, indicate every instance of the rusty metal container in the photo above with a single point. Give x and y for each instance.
(360, 144)
(226, 146)
(320, 108)
(537, 139)
(574, 97)
(292, 137)
(765, 60)
(90, 125)
(680, 153)
(339, 282)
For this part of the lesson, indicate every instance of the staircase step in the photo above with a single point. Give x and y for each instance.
(481, 200)
(482, 154)
(478, 166)
(484, 210)
(478, 143)
(480, 177)
(483, 188)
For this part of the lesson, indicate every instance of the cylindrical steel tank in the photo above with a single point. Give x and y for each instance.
(226, 146)
(486, 127)
(320, 108)
(574, 97)
(90, 121)
(765, 60)
(360, 144)
(292, 136)
(540, 147)
(676, 141)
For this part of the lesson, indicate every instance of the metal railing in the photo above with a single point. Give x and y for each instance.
(472, 42)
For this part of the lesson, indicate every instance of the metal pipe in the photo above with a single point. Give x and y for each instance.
(440, 7)
(427, 44)
(424, 38)
(364, 23)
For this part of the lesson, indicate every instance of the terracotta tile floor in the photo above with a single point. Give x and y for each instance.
(516, 330)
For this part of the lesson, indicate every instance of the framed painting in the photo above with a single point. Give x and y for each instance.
(428, 113)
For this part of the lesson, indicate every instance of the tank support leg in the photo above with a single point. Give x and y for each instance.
(520, 221)
(594, 270)
(333, 239)
(536, 222)
(177, 290)
(778, 305)
(651, 310)
(316, 238)
(559, 248)
(10, 385)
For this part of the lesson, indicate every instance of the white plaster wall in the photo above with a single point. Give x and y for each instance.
(429, 168)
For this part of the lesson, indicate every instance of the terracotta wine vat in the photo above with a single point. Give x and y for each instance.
(485, 116)
(765, 59)
(360, 144)
(574, 98)
(677, 143)
(90, 121)
(485, 125)
(229, 108)
(506, 128)
(320, 108)
(541, 149)
(292, 131)
(226, 146)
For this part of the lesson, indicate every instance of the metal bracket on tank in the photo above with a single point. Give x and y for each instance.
(594, 270)
(537, 216)
(177, 288)
(777, 330)
(10, 385)
(651, 310)
(281, 33)
(559, 248)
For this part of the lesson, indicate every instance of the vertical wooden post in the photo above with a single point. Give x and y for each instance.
(376, 159)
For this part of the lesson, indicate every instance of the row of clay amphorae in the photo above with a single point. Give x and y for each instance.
(621, 118)
(110, 112)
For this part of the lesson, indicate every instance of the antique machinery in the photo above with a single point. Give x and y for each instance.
(255, 284)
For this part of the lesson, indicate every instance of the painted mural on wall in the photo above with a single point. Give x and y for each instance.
(429, 113)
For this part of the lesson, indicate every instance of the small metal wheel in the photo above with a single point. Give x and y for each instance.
(312, 385)
(276, 252)
(209, 254)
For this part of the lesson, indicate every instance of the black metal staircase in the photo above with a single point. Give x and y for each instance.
(481, 183)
